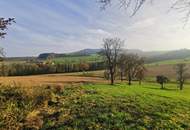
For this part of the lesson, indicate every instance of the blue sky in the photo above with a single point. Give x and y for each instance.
(69, 25)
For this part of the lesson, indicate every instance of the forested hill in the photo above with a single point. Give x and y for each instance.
(84, 52)
(151, 56)
(171, 55)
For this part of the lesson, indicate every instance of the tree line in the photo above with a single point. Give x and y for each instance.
(18, 69)
(131, 66)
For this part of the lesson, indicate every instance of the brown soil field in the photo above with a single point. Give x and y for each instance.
(48, 79)
(167, 70)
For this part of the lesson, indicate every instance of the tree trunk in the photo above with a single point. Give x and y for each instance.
(129, 83)
(121, 76)
(181, 86)
(112, 76)
(139, 82)
(112, 79)
(162, 86)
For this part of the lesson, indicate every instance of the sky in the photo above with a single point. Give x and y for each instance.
(63, 26)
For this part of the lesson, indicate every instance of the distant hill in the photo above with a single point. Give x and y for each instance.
(86, 52)
(151, 56)
(170, 55)
(53, 55)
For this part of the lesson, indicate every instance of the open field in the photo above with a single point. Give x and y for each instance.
(49, 79)
(171, 62)
(93, 105)
(93, 58)
(85, 100)
(91, 76)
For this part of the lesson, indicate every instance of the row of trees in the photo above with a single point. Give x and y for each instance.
(181, 76)
(18, 69)
(131, 66)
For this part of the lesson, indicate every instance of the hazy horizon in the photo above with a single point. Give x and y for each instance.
(61, 27)
(98, 48)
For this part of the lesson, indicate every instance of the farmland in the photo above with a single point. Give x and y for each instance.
(49, 79)
(94, 65)
(85, 100)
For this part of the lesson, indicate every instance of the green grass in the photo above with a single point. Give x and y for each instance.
(78, 59)
(133, 107)
(171, 62)
(96, 106)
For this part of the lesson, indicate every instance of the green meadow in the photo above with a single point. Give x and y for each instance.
(96, 106)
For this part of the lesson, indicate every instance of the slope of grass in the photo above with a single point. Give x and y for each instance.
(96, 106)
(171, 62)
(135, 107)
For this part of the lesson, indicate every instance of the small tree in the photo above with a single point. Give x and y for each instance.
(134, 64)
(181, 74)
(122, 65)
(140, 74)
(84, 67)
(161, 80)
(111, 50)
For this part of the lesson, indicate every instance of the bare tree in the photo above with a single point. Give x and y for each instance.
(181, 70)
(141, 69)
(122, 65)
(133, 65)
(111, 50)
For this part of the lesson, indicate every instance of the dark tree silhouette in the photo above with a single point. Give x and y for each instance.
(161, 79)
(4, 25)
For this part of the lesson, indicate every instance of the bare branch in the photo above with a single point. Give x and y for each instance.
(4, 23)
(135, 5)
(183, 6)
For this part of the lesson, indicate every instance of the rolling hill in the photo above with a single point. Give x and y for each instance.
(85, 54)
(151, 56)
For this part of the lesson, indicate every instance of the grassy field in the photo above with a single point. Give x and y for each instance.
(137, 107)
(84, 100)
(171, 62)
(95, 106)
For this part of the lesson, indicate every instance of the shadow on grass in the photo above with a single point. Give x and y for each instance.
(164, 89)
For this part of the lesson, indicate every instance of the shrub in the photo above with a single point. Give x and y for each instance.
(161, 79)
